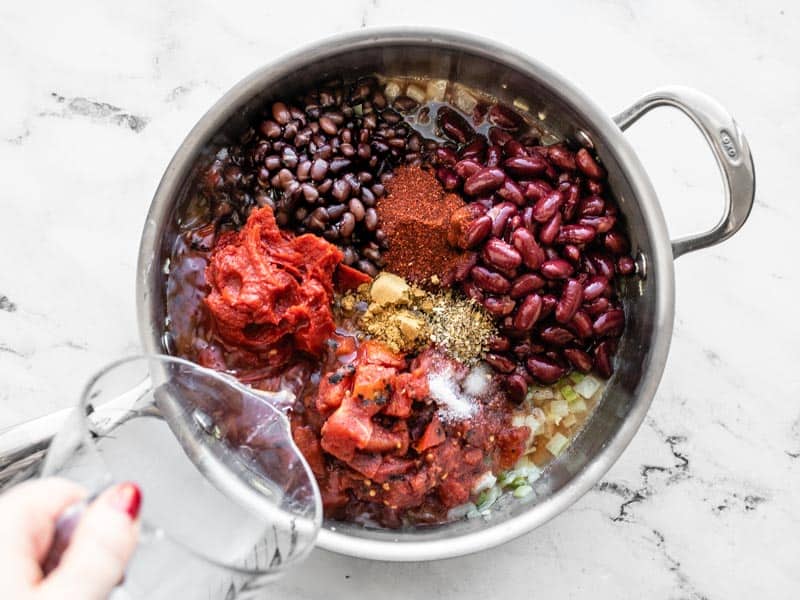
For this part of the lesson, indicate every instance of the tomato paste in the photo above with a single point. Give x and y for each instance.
(271, 291)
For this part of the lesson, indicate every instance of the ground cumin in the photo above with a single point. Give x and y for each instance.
(415, 216)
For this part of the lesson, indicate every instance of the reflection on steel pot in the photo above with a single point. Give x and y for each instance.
(569, 114)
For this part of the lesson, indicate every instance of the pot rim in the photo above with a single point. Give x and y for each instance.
(660, 267)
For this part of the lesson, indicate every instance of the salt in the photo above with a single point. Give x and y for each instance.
(453, 405)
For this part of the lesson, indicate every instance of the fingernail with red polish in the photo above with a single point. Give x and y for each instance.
(127, 498)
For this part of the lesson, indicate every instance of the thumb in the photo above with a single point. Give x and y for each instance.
(100, 548)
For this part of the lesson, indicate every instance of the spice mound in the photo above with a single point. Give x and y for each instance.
(271, 290)
(416, 216)
(408, 318)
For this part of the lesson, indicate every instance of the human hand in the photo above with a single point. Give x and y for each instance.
(95, 559)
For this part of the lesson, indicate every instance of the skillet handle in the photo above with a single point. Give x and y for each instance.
(729, 146)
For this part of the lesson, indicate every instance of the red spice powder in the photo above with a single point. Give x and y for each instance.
(415, 215)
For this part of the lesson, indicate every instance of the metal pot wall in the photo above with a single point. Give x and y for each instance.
(567, 112)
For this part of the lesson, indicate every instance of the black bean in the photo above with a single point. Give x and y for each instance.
(336, 211)
(319, 168)
(341, 190)
(304, 170)
(310, 193)
(337, 164)
(367, 267)
(367, 197)
(364, 151)
(328, 126)
(289, 157)
(272, 162)
(371, 219)
(404, 104)
(346, 225)
(357, 208)
(347, 150)
(350, 256)
(271, 130)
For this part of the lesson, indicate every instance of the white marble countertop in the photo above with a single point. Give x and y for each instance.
(703, 504)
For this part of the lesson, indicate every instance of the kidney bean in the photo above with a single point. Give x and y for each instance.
(499, 363)
(499, 343)
(528, 313)
(499, 137)
(500, 214)
(578, 359)
(516, 387)
(525, 166)
(501, 255)
(464, 265)
(549, 302)
(503, 116)
(570, 301)
(544, 369)
(467, 168)
(513, 149)
(499, 306)
(494, 154)
(511, 191)
(484, 181)
(616, 242)
(575, 234)
(597, 307)
(537, 189)
(523, 240)
(602, 357)
(601, 224)
(556, 336)
(572, 253)
(448, 178)
(571, 195)
(453, 125)
(473, 291)
(588, 165)
(547, 206)
(592, 206)
(594, 288)
(490, 281)
(561, 157)
(602, 264)
(525, 284)
(556, 269)
(626, 265)
(445, 157)
(609, 324)
(581, 325)
(477, 231)
(474, 150)
(371, 219)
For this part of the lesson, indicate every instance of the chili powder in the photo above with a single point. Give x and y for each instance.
(415, 215)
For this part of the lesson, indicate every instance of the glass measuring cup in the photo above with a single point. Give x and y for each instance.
(229, 501)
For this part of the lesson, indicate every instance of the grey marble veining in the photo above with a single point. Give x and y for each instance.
(703, 504)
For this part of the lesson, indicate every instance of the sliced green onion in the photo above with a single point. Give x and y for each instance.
(484, 482)
(576, 377)
(568, 393)
(488, 497)
(519, 481)
(588, 386)
(358, 110)
(557, 443)
(522, 491)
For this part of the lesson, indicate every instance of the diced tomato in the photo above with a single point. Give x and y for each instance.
(453, 491)
(366, 463)
(433, 435)
(376, 353)
(347, 278)
(332, 390)
(308, 443)
(373, 382)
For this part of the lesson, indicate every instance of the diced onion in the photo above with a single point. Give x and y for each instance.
(416, 93)
(579, 406)
(557, 444)
(587, 386)
(484, 482)
(568, 393)
(558, 408)
(436, 89)
(391, 91)
(461, 511)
